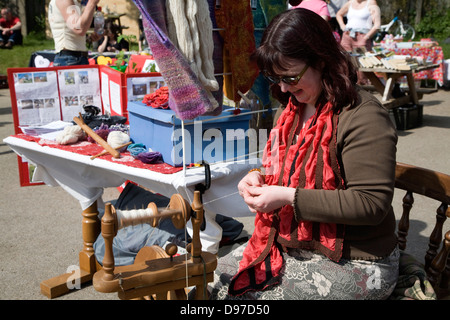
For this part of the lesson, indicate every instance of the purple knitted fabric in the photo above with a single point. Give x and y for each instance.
(187, 97)
(150, 157)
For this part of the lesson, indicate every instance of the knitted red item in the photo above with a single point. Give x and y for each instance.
(308, 163)
(158, 99)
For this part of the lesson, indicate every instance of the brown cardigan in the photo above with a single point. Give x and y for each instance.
(366, 150)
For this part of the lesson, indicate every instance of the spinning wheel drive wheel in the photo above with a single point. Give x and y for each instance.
(150, 253)
(156, 252)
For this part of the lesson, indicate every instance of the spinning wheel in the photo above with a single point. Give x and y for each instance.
(156, 272)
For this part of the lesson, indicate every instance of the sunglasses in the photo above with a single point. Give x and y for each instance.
(292, 81)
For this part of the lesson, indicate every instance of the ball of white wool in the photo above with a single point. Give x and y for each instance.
(118, 138)
(69, 135)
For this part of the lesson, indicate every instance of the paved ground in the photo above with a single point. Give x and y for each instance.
(40, 227)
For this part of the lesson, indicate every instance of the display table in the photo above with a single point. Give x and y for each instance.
(391, 76)
(42, 59)
(85, 180)
(431, 54)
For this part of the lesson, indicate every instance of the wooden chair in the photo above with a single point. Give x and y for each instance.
(434, 185)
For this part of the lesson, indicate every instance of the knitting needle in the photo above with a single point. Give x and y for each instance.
(105, 152)
(79, 121)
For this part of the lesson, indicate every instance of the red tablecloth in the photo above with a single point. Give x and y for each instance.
(433, 54)
(90, 149)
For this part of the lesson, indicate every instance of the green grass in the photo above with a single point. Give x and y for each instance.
(445, 49)
(19, 56)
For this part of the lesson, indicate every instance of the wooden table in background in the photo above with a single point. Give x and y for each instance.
(391, 76)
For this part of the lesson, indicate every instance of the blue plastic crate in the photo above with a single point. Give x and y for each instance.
(212, 139)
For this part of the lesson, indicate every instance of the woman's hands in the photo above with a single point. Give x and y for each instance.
(261, 197)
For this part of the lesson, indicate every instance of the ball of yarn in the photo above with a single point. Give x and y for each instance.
(150, 157)
(136, 148)
(102, 133)
(69, 135)
(118, 138)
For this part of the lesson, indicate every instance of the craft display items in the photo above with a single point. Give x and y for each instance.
(187, 96)
(69, 135)
(158, 99)
(101, 132)
(136, 148)
(156, 273)
(118, 140)
(79, 121)
(188, 22)
(105, 152)
(139, 152)
(394, 63)
(150, 157)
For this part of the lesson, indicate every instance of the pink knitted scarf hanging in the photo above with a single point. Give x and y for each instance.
(187, 97)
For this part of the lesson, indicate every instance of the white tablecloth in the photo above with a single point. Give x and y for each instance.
(85, 180)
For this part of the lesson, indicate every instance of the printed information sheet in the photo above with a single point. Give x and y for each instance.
(37, 97)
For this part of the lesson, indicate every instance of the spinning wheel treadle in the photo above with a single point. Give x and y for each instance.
(155, 271)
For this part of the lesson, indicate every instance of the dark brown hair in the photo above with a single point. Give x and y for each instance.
(112, 27)
(303, 35)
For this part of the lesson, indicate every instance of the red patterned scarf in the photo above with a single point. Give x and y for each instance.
(308, 163)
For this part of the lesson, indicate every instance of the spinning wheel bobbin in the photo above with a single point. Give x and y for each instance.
(178, 210)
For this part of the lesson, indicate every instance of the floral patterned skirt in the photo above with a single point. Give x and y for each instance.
(310, 276)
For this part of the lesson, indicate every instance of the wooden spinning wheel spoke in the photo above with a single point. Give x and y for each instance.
(156, 271)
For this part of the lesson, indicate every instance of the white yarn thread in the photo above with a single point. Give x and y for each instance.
(70, 134)
(189, 27)
(134, 217)
(118, 138)
(200, 24)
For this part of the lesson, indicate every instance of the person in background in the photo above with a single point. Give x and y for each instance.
(11, 29)
(109, 41)
(317, 6)
(142, 43)
(324, 222)
(69, 25)
(333, 7)
(363, 22)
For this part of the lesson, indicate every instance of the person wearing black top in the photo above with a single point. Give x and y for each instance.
(109, 41)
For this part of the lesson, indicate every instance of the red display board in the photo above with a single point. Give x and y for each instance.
(118, 88)
(42, 95)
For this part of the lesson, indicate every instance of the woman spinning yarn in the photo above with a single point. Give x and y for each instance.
(324, 226)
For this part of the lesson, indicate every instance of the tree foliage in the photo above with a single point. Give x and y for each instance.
(413, 11)
(435, 24)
